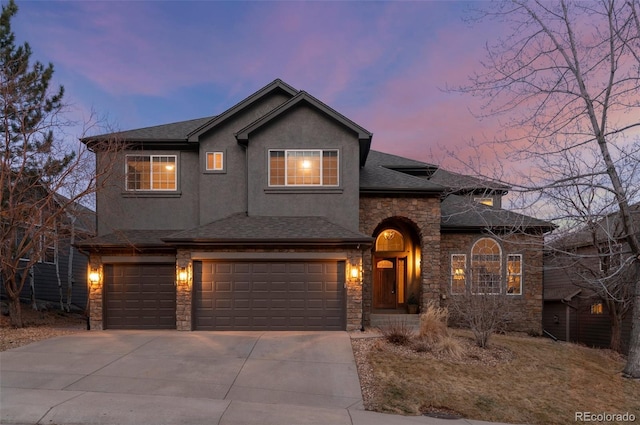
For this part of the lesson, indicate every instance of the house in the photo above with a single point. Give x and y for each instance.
(277, 214)
(59, 270)
(587, 291)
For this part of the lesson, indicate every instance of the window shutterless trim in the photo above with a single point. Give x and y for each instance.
(285, 170)
(223, 165)
(151, 162)
(463, 259)
(518, 274)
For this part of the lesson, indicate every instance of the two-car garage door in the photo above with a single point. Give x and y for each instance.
(269, 295)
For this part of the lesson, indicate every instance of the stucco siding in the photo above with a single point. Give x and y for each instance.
(305, 128)
(223, 194)
(122, 209)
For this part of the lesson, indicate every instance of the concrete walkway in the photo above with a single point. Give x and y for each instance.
(173, 378)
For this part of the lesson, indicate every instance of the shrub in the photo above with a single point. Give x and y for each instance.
(451, 347)
(483, 314)
(397, 332)
(421, 345)
(433, 323)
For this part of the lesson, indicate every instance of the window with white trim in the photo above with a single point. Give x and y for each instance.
(458, 273)
(312, 167)
(215, 161)
(151, 172)
(486, 267)
(514, 274)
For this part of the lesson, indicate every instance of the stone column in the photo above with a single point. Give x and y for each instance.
(184, 291)
(96, 290)
(353, 281)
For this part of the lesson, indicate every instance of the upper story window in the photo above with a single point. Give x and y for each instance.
(293, 167)
(151, 172)
(484, 201)
(215, 161)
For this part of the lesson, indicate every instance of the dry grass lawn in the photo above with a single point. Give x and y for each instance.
(519, 380)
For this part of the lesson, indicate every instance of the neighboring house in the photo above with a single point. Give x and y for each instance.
(60, 276)
(575, 309)
(276, 214)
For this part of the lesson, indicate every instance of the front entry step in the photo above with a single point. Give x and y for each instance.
(384, 320)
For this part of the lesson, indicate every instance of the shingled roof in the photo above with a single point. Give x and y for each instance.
(177, 131)
(387, 173)
(137, 238)
(462, 213)
(240, 228)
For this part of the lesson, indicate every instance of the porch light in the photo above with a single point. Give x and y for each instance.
(183, 275)
(94, 276)
(354, 272)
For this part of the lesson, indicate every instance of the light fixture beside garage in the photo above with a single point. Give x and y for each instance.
(355, 273)
(94, 275)
(183, 274)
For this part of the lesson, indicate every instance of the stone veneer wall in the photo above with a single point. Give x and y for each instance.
(424, 214)
(95, 295)
(527, 308)
(184, 292)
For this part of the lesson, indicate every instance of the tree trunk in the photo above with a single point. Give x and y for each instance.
(616, 332)
(70, 280)
(32, 285)
(632, 368)
(15, 312)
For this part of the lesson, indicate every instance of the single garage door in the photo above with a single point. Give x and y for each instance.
(250, 295)
(140, 296)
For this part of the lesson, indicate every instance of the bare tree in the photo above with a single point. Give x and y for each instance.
(42, 177)
(566, 79)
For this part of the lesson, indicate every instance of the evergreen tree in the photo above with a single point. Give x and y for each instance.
(31, 162)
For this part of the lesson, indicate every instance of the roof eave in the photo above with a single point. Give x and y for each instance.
(270, 242)
(399, 191)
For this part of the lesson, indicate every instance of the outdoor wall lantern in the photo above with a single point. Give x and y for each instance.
(183, 275)
(94, 276)
(354, 272)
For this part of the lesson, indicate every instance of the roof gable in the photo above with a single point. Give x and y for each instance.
(276, 86)
(364, 136)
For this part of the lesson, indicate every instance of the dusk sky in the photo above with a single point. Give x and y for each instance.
(382, 64)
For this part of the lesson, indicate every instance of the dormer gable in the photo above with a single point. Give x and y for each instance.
(364, 136)
(276, 86)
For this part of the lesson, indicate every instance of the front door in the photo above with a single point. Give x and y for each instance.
(385, 285)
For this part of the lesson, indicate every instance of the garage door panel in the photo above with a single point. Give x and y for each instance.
(269, 295)
(140, 296)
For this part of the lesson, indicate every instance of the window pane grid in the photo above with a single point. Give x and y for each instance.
(458, 273)
(514, 274)
(153, 172)
(486, 267)
(303, 168)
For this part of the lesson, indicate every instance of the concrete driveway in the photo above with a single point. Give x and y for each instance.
(171, 377)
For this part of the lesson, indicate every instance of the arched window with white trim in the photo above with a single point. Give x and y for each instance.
(486, 267)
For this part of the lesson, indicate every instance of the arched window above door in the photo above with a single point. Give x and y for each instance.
(390, 240)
